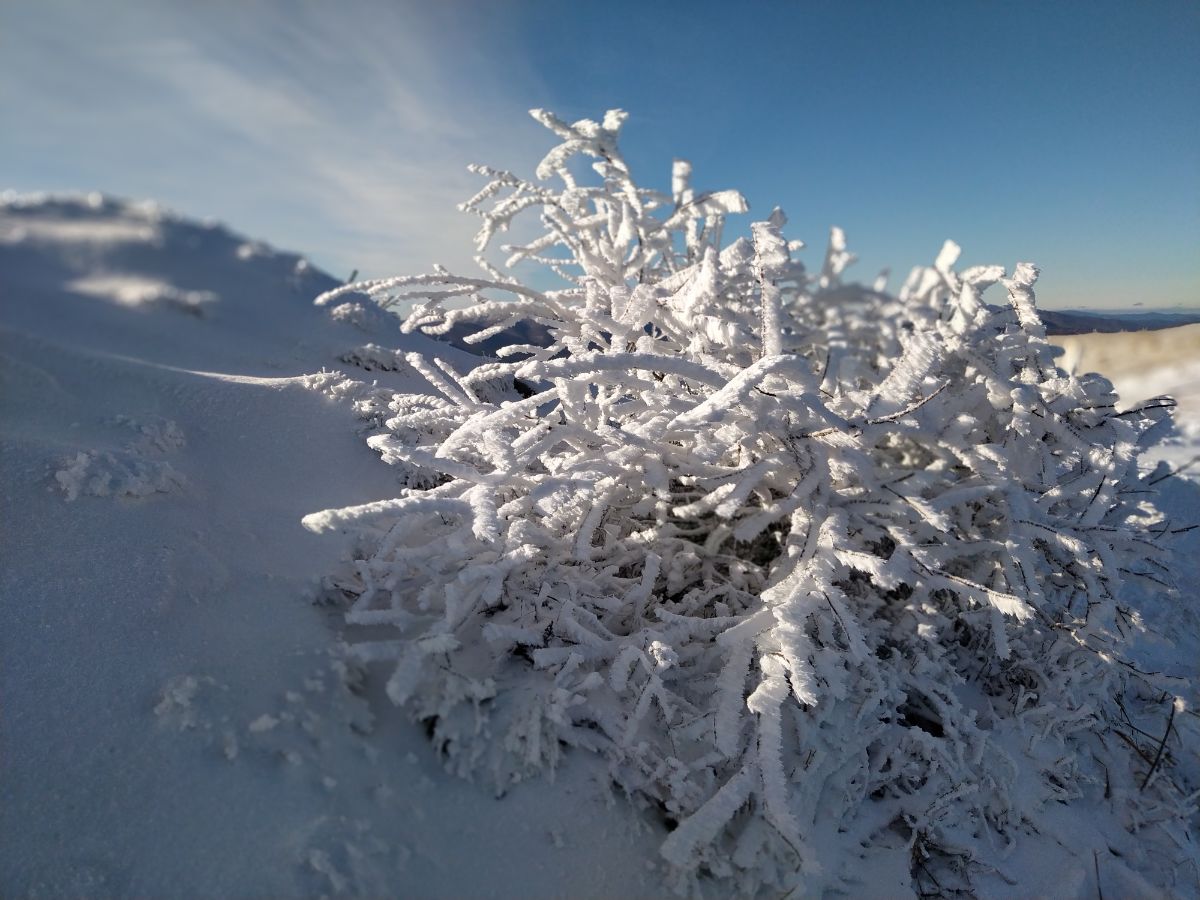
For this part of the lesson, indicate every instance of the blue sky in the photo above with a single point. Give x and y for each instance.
(1065, 133)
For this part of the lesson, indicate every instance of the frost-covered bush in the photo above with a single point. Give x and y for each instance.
(808, 564)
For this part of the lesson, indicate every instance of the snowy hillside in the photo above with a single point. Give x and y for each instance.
(177, 719)
(180, 716)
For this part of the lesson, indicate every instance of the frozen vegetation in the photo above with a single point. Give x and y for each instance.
(721, 575)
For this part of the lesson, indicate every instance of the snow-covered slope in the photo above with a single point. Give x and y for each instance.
(1145, 364)
(177, 719)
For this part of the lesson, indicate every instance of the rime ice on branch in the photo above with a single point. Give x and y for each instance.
(761, 539)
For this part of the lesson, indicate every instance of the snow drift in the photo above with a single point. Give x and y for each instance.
(178, 717)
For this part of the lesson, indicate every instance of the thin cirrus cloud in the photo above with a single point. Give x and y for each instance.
(345, 136)
(343, 131)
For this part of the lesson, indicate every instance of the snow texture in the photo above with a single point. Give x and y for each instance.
(132, 471)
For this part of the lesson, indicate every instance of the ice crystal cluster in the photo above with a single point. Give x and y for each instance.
(812, 567)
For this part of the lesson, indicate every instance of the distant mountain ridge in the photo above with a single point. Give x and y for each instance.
(1080, 321)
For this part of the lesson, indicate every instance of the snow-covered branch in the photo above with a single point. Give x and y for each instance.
(785, 551)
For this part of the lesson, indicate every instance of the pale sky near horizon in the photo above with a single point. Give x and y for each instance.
(1064, 133)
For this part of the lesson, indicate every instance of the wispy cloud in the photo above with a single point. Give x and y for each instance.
(343, 131)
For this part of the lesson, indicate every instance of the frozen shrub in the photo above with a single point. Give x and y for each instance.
(807, 564)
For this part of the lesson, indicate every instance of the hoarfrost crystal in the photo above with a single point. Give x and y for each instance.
(793, 555)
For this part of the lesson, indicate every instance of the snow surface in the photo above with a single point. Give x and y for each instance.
(178, 717)
(1145, 364)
